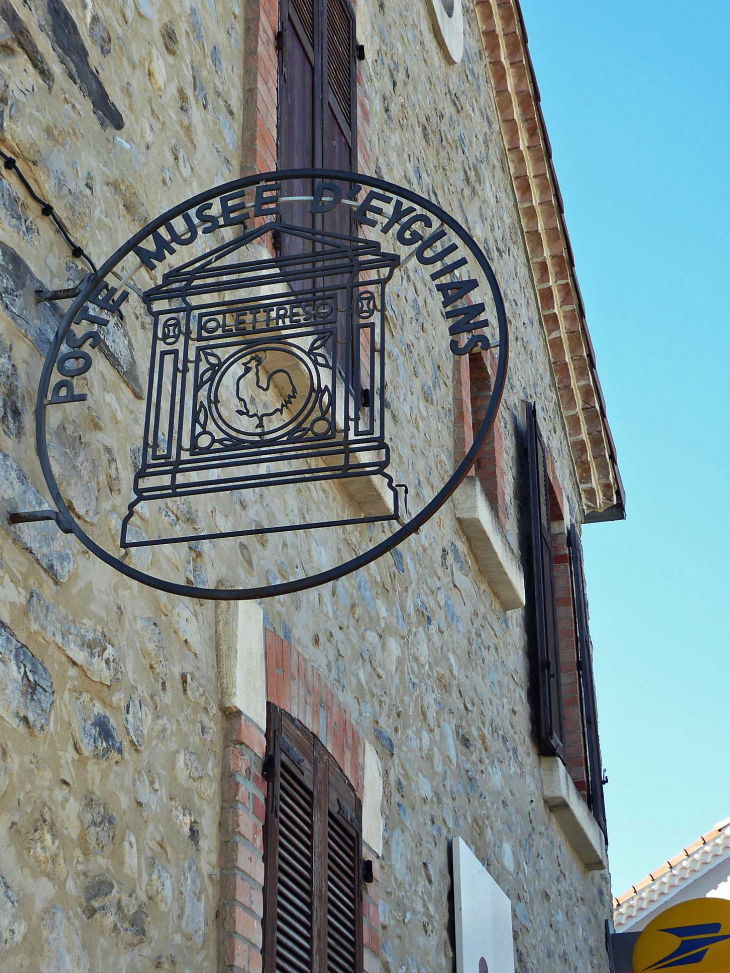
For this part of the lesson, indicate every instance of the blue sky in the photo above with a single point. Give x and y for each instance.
(636, 102)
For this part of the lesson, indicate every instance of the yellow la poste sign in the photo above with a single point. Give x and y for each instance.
(694, 935)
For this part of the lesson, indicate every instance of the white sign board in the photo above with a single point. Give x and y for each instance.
(483, 917)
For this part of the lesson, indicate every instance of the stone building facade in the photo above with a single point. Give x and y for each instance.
(133, 794)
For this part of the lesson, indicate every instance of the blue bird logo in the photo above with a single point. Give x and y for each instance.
(695, 943)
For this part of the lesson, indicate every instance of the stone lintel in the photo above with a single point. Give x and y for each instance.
(241, 651)
(572, 814)
(496, 561)
(372, 797)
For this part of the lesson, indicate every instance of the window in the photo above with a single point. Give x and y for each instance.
(564, 688)
(586, 683)
(546, 658)
(313, 857)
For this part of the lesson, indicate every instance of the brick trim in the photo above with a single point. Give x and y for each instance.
(296, 686)
(557, 496)
(371, 923)
(260, 101)
(473, 384)
(243, 810)
(576, 758)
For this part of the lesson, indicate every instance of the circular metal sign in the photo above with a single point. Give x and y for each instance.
(694, 933)
(254, 395)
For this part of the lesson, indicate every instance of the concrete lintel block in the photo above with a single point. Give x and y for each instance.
(572, 814)
(371, 493)
(241, 650)
(372, 799)
(496, 561)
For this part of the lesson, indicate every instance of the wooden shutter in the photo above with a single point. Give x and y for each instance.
(546, 657)
(317, 85)
(340, 85)
(313, 855)
(318, 119)
(298, 57)
(290, 829)
(339, 149)
(299, 118)
(344, 856)
(587, 683)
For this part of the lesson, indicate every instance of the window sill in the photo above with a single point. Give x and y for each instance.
(371, 494)
(572, 814)
(489, 545)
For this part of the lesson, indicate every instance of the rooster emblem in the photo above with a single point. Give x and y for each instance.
(251, 380)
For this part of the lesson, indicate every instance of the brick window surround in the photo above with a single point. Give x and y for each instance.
(295, 686)
(575, 739)
(573, 729)
(258, 136)
(473, 383)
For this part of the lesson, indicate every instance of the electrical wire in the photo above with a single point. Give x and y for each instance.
(11, 164)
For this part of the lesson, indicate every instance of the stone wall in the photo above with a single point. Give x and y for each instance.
(112, 741)
(110, 732)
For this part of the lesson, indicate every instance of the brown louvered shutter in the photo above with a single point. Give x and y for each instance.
(317, 85)
(318, 120)
(298, 56)
(298, 115)
(587, 683)
(313, 912)
(340, 135)
(344, 855)
(290, 830)
(546, 657)
(340, 104)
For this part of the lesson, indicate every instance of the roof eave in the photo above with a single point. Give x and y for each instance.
(551, 256)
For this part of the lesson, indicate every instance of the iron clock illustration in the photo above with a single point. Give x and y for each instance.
(244, 370)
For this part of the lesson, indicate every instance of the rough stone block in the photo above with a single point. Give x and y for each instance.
(159, 885)
(152, 645)
(26, 688)
(192, 904)
(51, 548)
(11, 401)
(12, 925)
(116, 910)
(85, 647)
(137, 719)
(99, 824)
(372, 797)
(18, 285)
(63, 951)
(94, 732)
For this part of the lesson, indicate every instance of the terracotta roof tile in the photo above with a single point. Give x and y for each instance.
(646, 892)
(542, 212)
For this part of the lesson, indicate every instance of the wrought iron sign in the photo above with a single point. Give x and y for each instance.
(286, 432)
